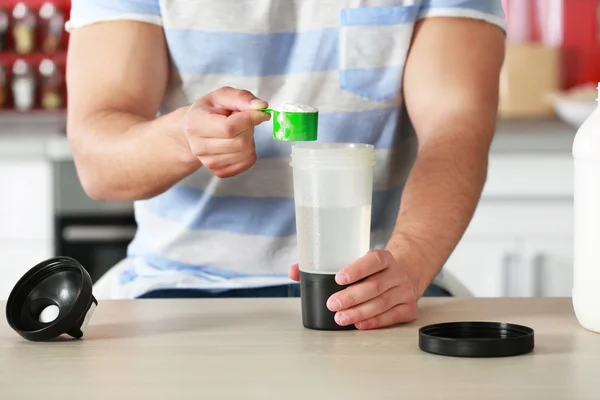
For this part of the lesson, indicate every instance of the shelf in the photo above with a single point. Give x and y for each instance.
(14, 122)
(9, 57)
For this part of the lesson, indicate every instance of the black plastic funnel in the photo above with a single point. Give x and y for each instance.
(51, 299)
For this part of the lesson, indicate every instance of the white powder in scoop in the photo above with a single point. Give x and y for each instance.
(301, 108)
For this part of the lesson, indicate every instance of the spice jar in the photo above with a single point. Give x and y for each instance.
(52, 27)
(3, 28)
(23, 29)
(3, 84)
(23, 86)
(50, 85)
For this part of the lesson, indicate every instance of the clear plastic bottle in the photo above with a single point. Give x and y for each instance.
(333, 188)
(586, 283)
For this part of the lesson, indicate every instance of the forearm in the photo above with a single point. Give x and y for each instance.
(440, 198)
(121, 156)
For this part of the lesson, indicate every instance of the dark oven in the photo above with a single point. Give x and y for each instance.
(96, 233)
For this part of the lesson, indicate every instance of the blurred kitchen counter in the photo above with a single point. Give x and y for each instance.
(35, 135)
(526, 136)
(518, 244)
(43, 135)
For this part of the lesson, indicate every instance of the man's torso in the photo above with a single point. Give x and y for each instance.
(345, 57)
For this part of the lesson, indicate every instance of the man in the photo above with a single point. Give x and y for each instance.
(213, 192)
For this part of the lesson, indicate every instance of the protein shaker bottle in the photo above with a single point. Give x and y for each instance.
(333, 186)
(586, 153)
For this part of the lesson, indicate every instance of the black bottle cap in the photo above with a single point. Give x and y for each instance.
(476, 339)
(53, 298)
(315, 290)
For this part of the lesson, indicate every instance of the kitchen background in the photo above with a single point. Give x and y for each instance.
(518, 244)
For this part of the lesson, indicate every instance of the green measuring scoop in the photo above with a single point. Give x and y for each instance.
(294, 126)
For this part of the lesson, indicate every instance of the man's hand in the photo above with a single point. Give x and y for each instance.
(220, 130)
(380, 292)
(124, 151)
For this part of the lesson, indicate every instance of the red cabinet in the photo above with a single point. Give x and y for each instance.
(581, 42)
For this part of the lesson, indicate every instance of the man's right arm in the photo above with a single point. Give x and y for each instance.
(117, 75)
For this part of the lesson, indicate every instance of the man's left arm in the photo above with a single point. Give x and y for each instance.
(451, 93)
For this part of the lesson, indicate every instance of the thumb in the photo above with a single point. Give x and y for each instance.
(294, 273)
(232, 99)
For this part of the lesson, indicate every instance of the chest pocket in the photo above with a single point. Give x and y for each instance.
(374, 43)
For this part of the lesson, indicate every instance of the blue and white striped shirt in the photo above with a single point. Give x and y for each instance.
(345, 57)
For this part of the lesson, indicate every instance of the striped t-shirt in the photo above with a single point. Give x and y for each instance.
(344, 57)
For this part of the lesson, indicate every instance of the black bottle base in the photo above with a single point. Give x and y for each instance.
(315, 290)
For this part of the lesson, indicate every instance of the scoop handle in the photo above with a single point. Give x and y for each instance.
(267, 110)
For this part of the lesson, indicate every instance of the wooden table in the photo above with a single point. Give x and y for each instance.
(258, 349)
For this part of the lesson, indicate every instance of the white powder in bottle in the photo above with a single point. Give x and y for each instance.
(300, 108)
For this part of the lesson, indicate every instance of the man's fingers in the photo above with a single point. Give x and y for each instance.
(400, 314)
(361, 292)
(294, 273)
(236, 168)
(200, 122)
(219, 161)
(204, 125)
(369, 264)
(235, 99)
(203, 147)
(247, 120)
(371, 308)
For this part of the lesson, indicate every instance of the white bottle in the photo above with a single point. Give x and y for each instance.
(586, 284)
(23, 86)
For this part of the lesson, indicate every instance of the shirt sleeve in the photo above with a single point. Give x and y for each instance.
(86, 12)
(487, 10)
